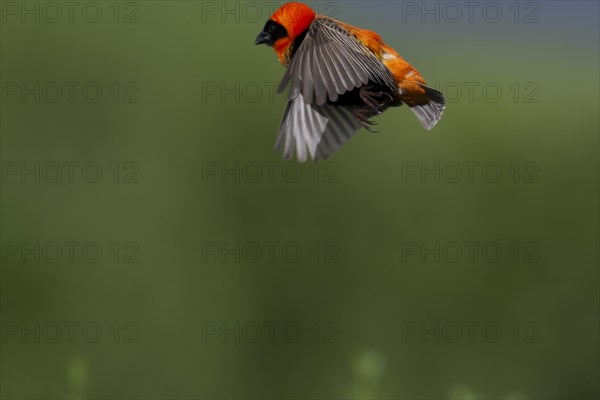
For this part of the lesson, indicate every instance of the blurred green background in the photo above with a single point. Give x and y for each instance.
(171, 60)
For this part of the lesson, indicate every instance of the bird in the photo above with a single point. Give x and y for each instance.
(337, 78)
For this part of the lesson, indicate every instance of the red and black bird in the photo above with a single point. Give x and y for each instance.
(339, 77)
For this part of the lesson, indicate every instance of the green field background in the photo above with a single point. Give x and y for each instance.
(362, 203)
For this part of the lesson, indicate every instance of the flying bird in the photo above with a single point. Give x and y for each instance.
(338, 77)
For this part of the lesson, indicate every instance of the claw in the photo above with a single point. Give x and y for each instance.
(367, 125)
(369, 101)
(369, 97)
(375, 101)
(388, 95)
(362, 116)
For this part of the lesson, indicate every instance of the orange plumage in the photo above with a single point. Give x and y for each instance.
(405, 75)
(337, 69)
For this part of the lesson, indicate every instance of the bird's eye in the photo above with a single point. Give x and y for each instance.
(274, 30)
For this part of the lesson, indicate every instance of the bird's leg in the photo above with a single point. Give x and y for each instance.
(372, 101)
(362, 115)
(374, 98)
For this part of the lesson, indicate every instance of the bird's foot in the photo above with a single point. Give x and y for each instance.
(362, 116)
(373, 97)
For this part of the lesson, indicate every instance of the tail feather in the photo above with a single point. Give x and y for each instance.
(429, 114)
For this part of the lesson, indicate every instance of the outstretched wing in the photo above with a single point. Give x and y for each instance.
(313, 131)
(330, 61)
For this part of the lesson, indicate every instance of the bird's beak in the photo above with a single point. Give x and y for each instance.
(263, 38)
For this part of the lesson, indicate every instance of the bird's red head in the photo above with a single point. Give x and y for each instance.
(294, 17)
(286, 24)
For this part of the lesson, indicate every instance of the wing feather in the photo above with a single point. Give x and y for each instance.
(330, 61)
(312, 131)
